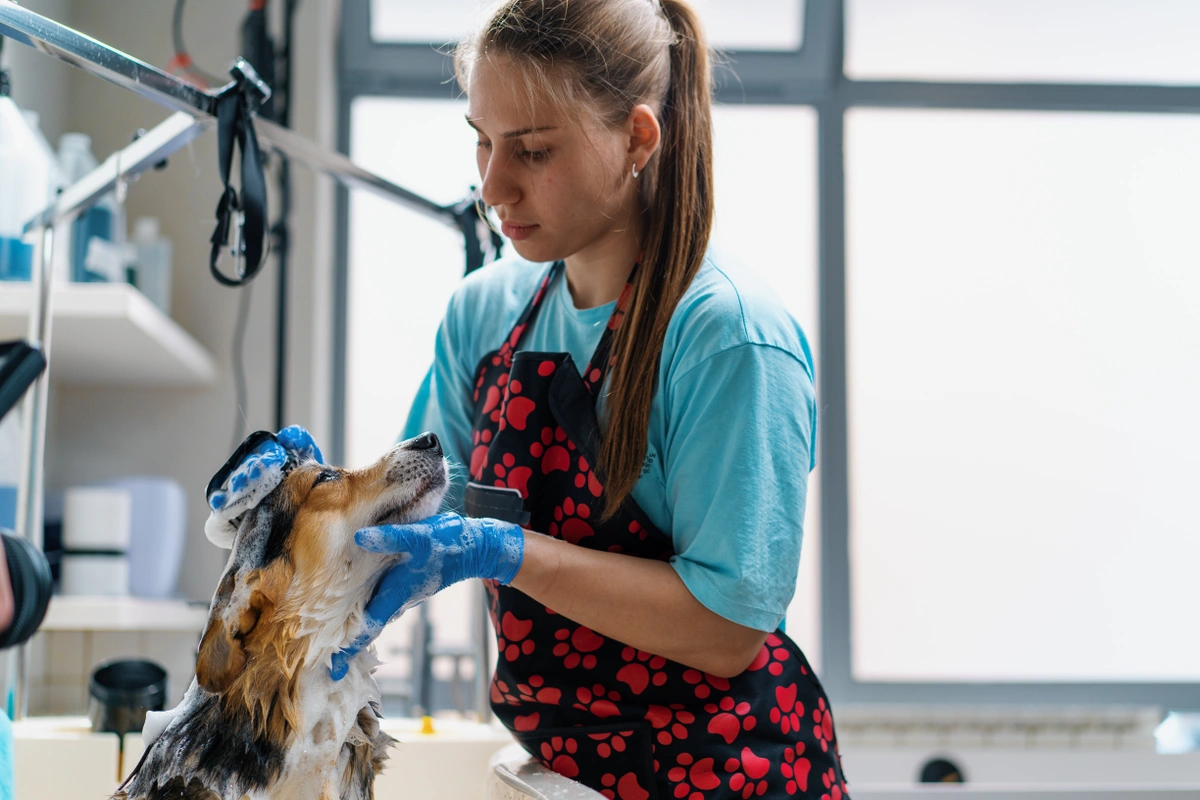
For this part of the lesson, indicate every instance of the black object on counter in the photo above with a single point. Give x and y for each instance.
(121, 692)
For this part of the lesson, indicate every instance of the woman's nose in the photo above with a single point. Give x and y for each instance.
(498, 187)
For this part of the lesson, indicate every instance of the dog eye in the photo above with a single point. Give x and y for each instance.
(325, 476)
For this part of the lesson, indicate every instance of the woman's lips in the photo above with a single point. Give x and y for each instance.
(516, 232)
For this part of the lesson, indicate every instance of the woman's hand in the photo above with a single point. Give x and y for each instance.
(438, 551)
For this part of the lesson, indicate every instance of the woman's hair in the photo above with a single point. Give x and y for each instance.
(608, 56)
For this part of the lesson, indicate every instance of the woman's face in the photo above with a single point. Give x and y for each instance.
(559, 182)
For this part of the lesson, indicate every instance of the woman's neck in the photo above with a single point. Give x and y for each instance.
(597, 274)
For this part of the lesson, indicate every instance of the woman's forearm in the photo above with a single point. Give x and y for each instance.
(641, 602)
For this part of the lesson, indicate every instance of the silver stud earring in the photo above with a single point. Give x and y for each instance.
(635, 170)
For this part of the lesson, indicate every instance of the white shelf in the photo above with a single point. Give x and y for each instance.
(109, 333)
(81, 613)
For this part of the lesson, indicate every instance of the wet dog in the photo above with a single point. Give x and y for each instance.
(263, 718)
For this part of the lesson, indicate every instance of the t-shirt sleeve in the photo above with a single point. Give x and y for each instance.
(442, 401)
(737, 464)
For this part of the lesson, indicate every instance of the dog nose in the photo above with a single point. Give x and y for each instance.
(426, 441)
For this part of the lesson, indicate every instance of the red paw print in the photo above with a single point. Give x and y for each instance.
(571, 519)
(554, 450)
(515, 409)
(504, 355)
(534, 692)
(787, 714)
(795, 768)
(833, 790)
(705, 683)
(729, 719)
(637, 530)
(772, 656)
(748, 773)
(624, 788)
(576, 647)
(556, 754)
(512, 642)
(644, 671)
(693, 774)
(598, 700)
(617, 742)
(824, 720)
(585, 477)
(671, 723)
(511, 477)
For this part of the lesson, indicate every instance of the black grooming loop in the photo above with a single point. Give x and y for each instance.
(244, 216)
(470, 213)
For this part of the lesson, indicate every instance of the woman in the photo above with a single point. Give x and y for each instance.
(660, 489)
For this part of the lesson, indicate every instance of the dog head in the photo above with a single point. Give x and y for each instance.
(295, 585)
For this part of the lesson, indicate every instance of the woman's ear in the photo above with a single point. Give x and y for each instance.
(645, 135)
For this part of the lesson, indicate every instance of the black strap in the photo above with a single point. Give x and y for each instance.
(235, 126)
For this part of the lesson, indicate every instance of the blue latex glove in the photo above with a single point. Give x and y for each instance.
(232, 493)
(440, 551)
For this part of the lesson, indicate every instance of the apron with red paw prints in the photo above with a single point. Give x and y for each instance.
(629, 724)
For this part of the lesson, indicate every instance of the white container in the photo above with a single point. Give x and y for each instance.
(61, 266)
(153, 265)
(158, 534)
(24, 182)
(55, 182)
(97, 519)
(11, 457)
(106, 575)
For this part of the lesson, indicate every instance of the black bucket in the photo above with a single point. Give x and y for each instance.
(121, 692)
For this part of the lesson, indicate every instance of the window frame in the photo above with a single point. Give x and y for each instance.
(813, 76)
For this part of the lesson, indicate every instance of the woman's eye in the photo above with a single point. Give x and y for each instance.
(534, 155)
(483, 144)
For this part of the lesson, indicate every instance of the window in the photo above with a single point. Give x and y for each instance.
(403, 266)
(1065, 41)
(1022, 297)
(765, 164)
(1006, 519)
(760, 25)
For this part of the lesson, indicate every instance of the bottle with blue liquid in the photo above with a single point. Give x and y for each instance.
(25, 178)
(97, 235)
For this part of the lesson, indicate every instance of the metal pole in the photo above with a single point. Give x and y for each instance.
(483, 639)
(30, 494)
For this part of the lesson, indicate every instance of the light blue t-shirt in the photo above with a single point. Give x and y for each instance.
(732, 422)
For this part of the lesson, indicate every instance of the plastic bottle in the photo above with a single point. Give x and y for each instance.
(152, 268)
(103, 221)
(10, 466)
(55, 182)
(61, 268)
(24, 181)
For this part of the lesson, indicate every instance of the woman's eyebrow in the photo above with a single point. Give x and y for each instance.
(516, 134)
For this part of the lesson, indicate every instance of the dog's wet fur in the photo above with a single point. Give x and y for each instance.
(263, 719)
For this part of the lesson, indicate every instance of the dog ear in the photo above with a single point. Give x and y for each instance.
(222, 653)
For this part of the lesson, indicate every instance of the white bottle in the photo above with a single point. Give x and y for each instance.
(61, 268)
(11, 457)
(24, 178)
(152, 269)
(55, 182)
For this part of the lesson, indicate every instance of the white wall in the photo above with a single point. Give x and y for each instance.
(99, 433)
